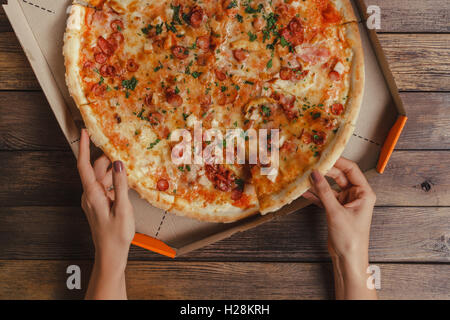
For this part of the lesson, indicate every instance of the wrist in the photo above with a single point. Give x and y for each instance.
(111, 261)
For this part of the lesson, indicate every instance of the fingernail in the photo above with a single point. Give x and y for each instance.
(315, 176)
(118, 166)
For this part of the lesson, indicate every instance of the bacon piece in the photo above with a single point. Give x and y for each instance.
(240, 55)
(162, 185)
(314, 55)
(105, 46)
(117, 25)
(196, 17)
(180, 52)
(288, 106)
(203, 42)
(337, 109)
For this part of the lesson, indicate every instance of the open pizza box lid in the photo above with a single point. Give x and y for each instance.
(40, 25)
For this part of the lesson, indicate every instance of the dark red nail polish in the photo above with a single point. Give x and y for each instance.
(118, 166)
(315, 176)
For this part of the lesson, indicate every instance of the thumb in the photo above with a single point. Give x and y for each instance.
(120, 182)
(324, 192)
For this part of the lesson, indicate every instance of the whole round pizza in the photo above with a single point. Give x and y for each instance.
(218, 109)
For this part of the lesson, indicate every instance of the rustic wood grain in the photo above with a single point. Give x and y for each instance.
(419, 62)
(396, 16)
(15, 70)
(39, 178)
(413, 15)
(216, 280)
(428, 125)
(50, 179)
(414, 179)
(398, 234)
(27, 123)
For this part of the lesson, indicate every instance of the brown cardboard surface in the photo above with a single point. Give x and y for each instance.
(40, 25)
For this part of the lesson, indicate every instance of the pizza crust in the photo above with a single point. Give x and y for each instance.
(357, 78)
(346, 9)
(71, 52)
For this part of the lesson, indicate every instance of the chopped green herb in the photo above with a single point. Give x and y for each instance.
(153, 144)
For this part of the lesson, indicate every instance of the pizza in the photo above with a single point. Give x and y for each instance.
(175, 89)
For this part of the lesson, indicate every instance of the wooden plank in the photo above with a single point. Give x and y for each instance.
(413, 15)
(428, 121)
(419, 62)
(398, 234)
(40, 178)
(414, 178)
(396, 16)
(26, 122)
(15, 70)
(23, 279)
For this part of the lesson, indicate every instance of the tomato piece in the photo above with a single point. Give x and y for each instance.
(162, 185)
(337, 109)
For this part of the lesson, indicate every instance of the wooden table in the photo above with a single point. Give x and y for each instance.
(43, 229)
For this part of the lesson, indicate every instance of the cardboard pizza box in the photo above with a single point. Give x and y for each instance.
(40, 25)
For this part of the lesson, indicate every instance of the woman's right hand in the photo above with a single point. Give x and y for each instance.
(349, 215)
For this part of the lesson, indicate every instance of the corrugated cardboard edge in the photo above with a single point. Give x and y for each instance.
(43, 73)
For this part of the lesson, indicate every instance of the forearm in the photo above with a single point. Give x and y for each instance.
(350, 278)
(107, 281)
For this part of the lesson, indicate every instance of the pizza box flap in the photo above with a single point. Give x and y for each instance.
(39, 26)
